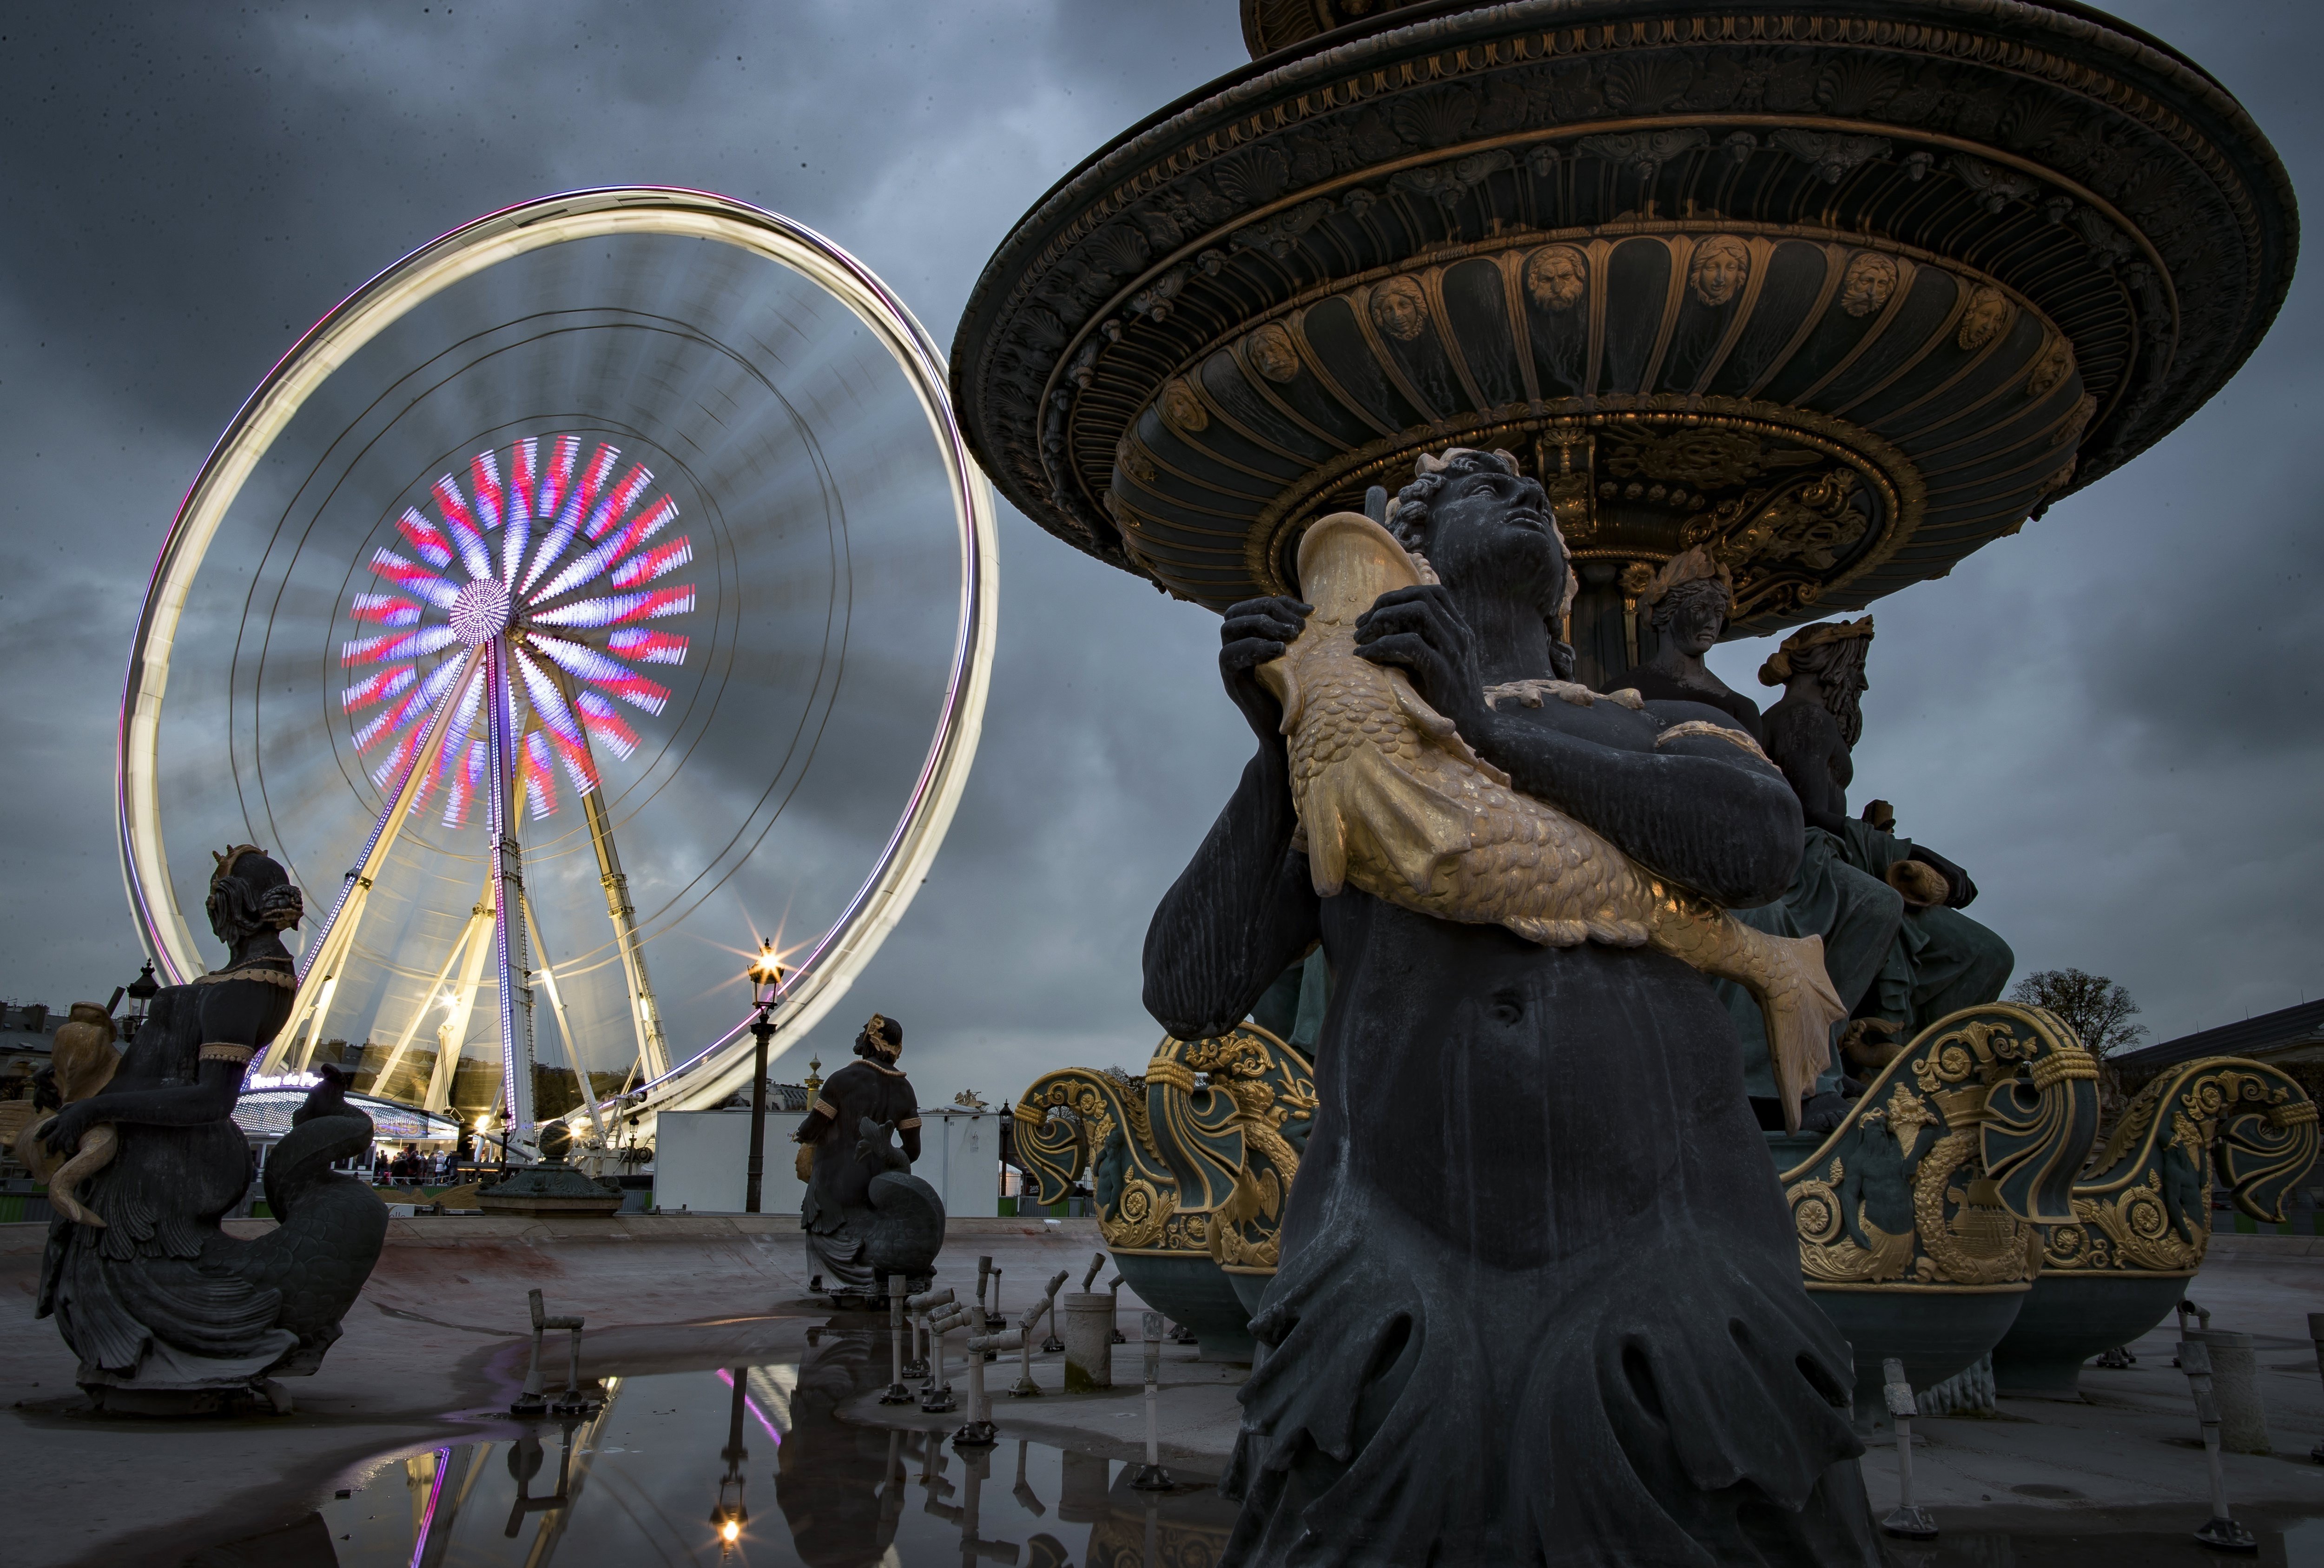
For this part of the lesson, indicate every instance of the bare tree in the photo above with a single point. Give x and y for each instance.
(2095, 1007)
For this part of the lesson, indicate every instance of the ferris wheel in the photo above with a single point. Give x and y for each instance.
(599, 595)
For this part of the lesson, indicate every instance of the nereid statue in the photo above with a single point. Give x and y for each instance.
(166, 1311)
(865, 1214)
(1539, 1297)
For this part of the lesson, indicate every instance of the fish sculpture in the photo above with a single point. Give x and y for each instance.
(1392, 799)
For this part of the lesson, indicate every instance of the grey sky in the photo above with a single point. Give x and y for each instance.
(2109, 720)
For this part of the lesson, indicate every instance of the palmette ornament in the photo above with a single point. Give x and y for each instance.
(1391, 799)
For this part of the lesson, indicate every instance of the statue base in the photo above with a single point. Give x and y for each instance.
(551, 1187)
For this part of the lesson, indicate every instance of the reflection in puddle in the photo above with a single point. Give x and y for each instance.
(678, 1468)
(752, 1469)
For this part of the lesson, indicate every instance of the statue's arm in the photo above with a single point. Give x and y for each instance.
(1239, 915)
(1245, 906)
(1700, 809)
(238, 1020)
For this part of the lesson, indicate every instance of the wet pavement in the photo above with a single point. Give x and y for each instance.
(781, 1450)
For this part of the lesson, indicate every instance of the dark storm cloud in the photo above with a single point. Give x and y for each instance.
(2110, 719)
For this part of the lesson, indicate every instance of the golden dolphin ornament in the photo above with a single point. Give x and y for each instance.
(1392, 799)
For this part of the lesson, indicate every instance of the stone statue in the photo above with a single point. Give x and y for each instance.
(1940, 960)
(1539, 1298)
(865, 1214)
(1688, 603)
(167, 1312)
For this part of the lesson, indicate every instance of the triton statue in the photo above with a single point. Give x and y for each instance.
(1538, 1295)
(1940, 960)
(168, 1313)
(865, 1214)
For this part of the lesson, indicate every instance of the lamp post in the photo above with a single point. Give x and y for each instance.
(729, 1515)
(765, 984)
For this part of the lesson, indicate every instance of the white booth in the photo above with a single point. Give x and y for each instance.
(700, 1155)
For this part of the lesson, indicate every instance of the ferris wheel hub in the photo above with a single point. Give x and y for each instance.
(481, 612)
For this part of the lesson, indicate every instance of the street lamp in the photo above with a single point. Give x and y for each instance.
(729, 1515)
(765, 984)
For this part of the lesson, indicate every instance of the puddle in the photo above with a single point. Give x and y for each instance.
(652, 1477)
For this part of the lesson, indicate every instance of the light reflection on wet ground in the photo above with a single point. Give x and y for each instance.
(650, 1477)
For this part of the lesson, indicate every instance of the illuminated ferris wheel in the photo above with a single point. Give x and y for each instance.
(601, 591)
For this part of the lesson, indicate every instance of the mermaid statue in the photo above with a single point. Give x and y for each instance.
(1539, 1298)
(168, 1313)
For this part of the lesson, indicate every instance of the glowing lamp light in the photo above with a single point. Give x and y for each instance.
(730, 1532)
(766, 976)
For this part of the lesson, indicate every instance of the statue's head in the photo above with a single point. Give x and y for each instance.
(881, 1040)
(1688, 600)
(1829, 657)
(1484, 528)
(250, 893)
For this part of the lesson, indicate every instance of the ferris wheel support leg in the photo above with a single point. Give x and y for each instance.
(645, 1012)
(336, 939)
(452, 1034)
(435, 989)
(563, 1027)
(508, 908)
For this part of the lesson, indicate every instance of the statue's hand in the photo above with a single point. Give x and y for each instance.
(1255, 632)
(1964, 891)
(64, 1133)
(1419, 631)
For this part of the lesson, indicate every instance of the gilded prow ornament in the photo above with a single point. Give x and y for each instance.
(1392, 799)
(1079, 1120)
(2142, 1215)
(1921, 1215)
(2144, 1206)
(1230, 1116)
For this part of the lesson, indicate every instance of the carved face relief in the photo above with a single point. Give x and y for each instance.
(1129, 457)
(1557, 276)
(2056, 363)
(1399, 310)
(1720, 264)
(1273, 352)
(1871, 281)
(1182, 411)
(1988, 314)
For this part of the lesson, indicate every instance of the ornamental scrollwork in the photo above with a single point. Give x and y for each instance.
(2144, 1205)
(1078, 1120)
(1947, 1169)
(1231, 1117)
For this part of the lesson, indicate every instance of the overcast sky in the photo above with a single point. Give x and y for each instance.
(2110, 721)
